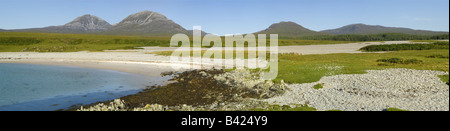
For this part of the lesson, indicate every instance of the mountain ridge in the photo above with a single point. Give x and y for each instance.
(88, 23)
(149, 23)
(288, 29)
(82, 24)
(146, 23)
(364, 29)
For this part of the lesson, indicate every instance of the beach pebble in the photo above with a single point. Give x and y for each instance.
(416, 90)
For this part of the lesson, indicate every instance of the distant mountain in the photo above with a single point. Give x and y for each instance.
(288, 29)
(376, 29)
(83, 24)
(88, 23)
(146, 23)
(150, 23)
(142, 23)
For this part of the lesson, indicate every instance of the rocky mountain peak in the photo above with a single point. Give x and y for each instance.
(147, 23)
(144, 18)
(88, 23)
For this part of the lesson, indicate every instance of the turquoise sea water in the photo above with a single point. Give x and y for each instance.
(25, 87)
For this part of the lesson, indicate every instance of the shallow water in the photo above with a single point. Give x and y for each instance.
(37, 87)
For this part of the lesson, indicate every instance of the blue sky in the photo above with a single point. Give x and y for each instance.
(235, 16)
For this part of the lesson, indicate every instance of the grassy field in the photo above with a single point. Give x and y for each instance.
(51, 42)
(397, 47)
(294, 68)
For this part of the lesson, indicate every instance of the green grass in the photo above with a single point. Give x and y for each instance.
(52, 42)
(427, 41)
(376, 37)
(397, 47)
(400, 61)
(318, 86)
(438, 56)
(295, 68)
(394, 109)
(444, 79)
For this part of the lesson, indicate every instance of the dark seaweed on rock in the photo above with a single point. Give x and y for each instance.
(196, 87)
(199, 89)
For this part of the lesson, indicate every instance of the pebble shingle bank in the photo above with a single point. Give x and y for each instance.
(415, 90)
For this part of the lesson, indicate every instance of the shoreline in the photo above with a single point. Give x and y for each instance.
(217, 106)
(143, 69)
(53, 87)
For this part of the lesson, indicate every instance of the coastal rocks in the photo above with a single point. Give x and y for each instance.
(152, 107)
(116, 105)
(241, 90)
(196, 88)
(119, 105)
(249, 80)
(200, 90)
